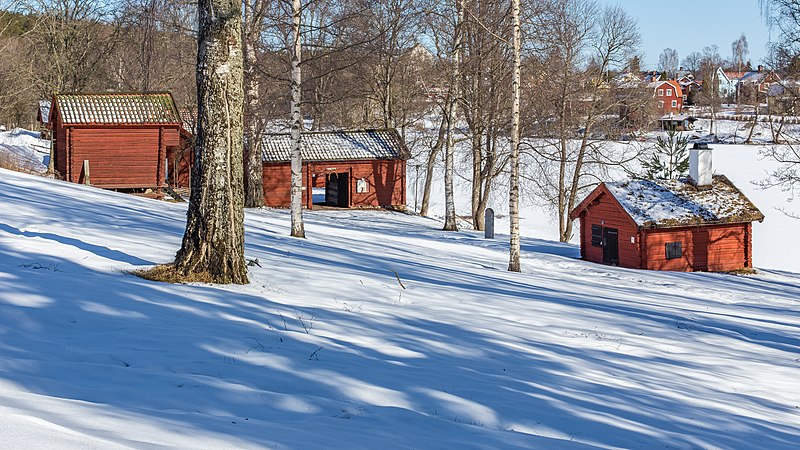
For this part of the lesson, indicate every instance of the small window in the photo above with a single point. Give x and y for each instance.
(597, 235)
(674, 103)
(660, 104)
(674, 250)
(660, 92)
(669, 92)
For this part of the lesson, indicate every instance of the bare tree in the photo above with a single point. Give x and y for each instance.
(783, 17)
(298, 230)
(692, 62)
(740, 51)
(252, 27)
(575, 103)
(486, 75)
(709, 68)
(213, 243)
(513, 198)
(451, 114)
(668, 62)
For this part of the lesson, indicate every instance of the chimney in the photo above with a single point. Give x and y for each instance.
(700, 169)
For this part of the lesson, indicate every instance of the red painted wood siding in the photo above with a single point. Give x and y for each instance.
(607, 212)
(119, 157)
(665, 101)
(386, 180)
(714, 248)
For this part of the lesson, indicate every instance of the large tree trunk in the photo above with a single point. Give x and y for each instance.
(450, 223)
(254, 172)
(213, 244)
(298, 230)
(513, 197)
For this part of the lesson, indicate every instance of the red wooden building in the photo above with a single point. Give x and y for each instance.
(668, 225)
(669, 96)
(124, 140)
(349, 169)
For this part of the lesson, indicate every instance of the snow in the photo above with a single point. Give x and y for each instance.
(679, 203)
(325, 349)
(26, 149)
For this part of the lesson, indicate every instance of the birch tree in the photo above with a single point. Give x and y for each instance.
(451, 114)
(298, 230)
(513, 197)
(575, 103)
(252, 26)
(213, 244)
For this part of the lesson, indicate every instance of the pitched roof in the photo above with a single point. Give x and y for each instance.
(118, 108)
(676, 203)
(336, 146)
(672, 83)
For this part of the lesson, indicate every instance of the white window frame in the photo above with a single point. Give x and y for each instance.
(661, 104)
(660, 92)
(669, 92)
(674, 103)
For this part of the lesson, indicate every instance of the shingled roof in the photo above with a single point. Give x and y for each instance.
(336, 146)
(118, 108)
(676, 203)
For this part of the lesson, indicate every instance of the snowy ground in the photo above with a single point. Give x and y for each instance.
(325, 349)
(25, 150)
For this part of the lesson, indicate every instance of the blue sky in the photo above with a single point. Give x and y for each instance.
(690, 26)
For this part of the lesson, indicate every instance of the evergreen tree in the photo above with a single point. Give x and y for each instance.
(669, 160)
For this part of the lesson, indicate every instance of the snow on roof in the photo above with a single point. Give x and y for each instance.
(336, 146)
(44, 110)
(675, 203)
(118, 108)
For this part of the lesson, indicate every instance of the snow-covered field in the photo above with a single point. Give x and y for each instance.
(326, 349)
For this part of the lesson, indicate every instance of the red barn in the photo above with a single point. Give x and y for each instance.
(122, 139)
(668, 225)
(349, 169)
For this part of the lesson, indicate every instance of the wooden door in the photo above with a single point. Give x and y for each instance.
(610, 246)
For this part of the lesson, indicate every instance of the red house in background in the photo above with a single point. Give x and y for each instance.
(348, 169)
(669, 96)
(669, 224)
(122, 139)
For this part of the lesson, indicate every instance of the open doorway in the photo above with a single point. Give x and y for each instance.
(337, 190)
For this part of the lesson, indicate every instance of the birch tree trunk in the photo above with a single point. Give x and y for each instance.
(513, 197)
(430, 167)
(213, 244)
(452, 100)
(254, 172)
(297, 125)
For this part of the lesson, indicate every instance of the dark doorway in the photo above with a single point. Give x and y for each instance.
(610, 246)
(337, 190)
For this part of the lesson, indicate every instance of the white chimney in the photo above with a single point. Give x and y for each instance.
(700, 169)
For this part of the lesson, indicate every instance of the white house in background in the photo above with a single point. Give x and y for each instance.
(727, 85)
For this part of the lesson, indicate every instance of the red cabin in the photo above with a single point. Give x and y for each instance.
(348, 169)
(668, 225)
(123, 140)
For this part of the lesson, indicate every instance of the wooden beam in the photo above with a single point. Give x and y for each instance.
(86, 177)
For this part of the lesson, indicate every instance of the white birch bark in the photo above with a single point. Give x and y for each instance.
(213, 244)
(513, 198)
(450, 223)
(254, 173)
(297, 125)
